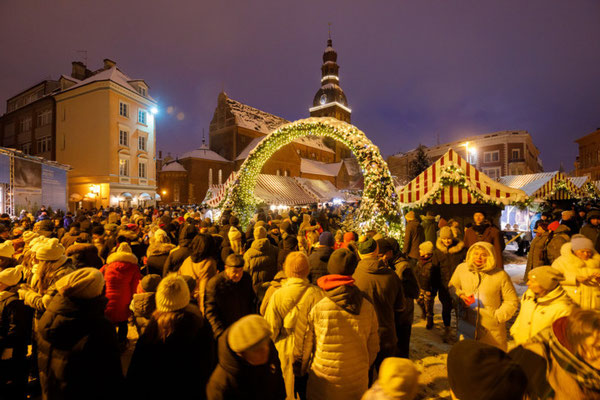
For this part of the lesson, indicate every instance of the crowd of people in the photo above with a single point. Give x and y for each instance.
(292, 307)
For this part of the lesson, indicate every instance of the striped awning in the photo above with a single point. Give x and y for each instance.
(218, 192)
(282, 190)
(560, 187)
(452, 180)
(547, 185)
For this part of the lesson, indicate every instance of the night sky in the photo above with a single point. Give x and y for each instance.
(412, 70)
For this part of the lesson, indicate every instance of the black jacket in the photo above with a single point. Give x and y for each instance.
(318, 260)
(286, 246)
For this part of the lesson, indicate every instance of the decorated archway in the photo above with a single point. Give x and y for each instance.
(379, 208)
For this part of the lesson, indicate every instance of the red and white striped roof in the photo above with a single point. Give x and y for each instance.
(420, 190)
(221, 190)
(542, 186)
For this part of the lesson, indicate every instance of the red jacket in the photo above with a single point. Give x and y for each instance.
(122, 276)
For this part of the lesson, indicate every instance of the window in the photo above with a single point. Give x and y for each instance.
(123, 109)
(491, 156)
(210, 177)
(493, 173)
(25, 124)
(176, 192)
(278, 172)
(26, 148)
(123, 138)
(516, 154)
(142, 143)
(220, 176)
(286, 173)
(142, 169)
(44, 118)
(142, 90)
(44, 144)
(142, 117)
(123, 167)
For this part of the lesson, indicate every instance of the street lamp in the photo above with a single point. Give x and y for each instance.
(471, 152)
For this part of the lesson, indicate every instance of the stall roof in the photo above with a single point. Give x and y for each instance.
(284, 190)
(323, 190)
(451, 166)
(542, 185)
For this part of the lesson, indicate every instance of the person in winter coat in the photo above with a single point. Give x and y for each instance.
(559, 235)
(429, 227)
(320, 256)
(201, 266)
(537, 255)
(173, 358)
(143, 303)
(287, 244)
(591, 228)
(487, 293)
(83, 253)
(568, 218)
(229, 296)
(15, 332)
(260, 261)
(349, 238)
(484, 231)
(232, 244)
(413, 237)
(70, 237)
(398, 379)
(544, 302)
(7, 251)
(448, 253)
(181, 252)
(157, 252)
(562, 361)
(273, 286)
(122, 276)
(580, 265)
(78, 355)
(248, 365)
(383, 288)
(340, 335)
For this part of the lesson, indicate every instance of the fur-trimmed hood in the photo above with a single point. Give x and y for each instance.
(491, 261)
(80, 248)
(567, 251)
(121, 256)
(456, 246)
(130, 235)
(159, 249)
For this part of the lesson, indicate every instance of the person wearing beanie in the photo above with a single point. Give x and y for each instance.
(429, 225)
(580, 265)
(383, 288)
(248, 365)
(260, 261)
(484, 231)
(398, 380)
(287, 244)
(319, 257)
(537, 254)
(487, 296)
(200, 266)
(349, 238)
(157, 253)
(448, 253)
(413, 237)
(295, 296)
(174, 356)
(143, 303)
(339, 334)
(122, 276)
(7, 254)
(83, 253)
(568, 218)
(544, 302)
(183, 250)
(557, 237)
(479, 371)
(77, 346)
(591, 228)
(229, 295)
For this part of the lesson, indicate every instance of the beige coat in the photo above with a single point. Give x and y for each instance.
(587, 297)
(538, 314)
(201, 272)
(282, 314)
(494, 292)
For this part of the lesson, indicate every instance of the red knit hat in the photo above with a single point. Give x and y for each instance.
(553, 226)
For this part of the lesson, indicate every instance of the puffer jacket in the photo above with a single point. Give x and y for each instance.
(558, 238)
(260, 261)
(122, 275)
(156, 256)
(537, 314)
(78, 354)
(448, 258)
(235, 379)
(495, 295)
(84, 255)
(535, 257)
(318, 260)
(282, 314)
(202, 272)
(586, 296)
(383, 288)
(486, 232)
(339, 342)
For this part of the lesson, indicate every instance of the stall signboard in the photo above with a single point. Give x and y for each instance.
(27, 185)
(54, 187)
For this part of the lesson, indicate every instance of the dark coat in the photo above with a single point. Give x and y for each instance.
(535, 257)
(84, 255)
(227, 301)
(69, 238)
(78, 354)
(286, 246)
(486, 232)
(261, 264)
(15, 326)
(177, 368)
(157, 256)
(446, 259)
(429, 228)
(317, 261)
(236, 379)
(413, 237)
(175, 258)
(559, 237)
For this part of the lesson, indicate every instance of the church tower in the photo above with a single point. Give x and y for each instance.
(330, 100)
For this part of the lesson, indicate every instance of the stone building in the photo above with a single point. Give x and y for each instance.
(588, 160)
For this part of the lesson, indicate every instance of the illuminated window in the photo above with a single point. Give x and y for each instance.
(220, 176)
(142, 117)
(142, 143)
(142, 169)
(123, 167)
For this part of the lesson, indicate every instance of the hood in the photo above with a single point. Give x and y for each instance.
(290, 242)
(341, 290)
(567, 251)
(159, 249)
(373, 266)
(562, 229)
(122, 257)
(491, 261)
(261, 245)
(323, 252)
(305, 218)
(455, 247)
(79, 248)
(548, 298)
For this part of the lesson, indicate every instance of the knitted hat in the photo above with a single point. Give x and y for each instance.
(84, 283)
(50, 250)
(368, 246)
(172, 294)
(123, 253)
(552, 227)
(7, 249)
(446, 233)
(399, 378)
(247, 332)
(296, 265)
(426, 248)
(342, 262)
(28, 236)
(11, 276)
(260, 233)
(384, 246)
(479, 371)
(409, 215)
(547, 277)
(326, 239)
(235, 261)
(286, 227)
(150, 282)
(234, 234)
(580, 242)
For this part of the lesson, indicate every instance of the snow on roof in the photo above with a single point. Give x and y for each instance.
(244, 154)
(284, 190)
(203, 152)
(253, 118)
(315, 142)
(70, 78)
(173, 166)
(319, 168)
(323, 190)
(352, 166)
(578, 180)
(529, 183)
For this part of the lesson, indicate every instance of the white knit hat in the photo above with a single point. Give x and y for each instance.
(84, 283)
(50, 250)
(11, 276)
(172, 294)
(248, 332)
(7, 249)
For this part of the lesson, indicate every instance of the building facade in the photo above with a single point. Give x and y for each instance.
(495, 154)
(588, 160)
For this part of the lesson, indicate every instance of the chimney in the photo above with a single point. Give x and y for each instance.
(108, 63)
(78, 70)
(160, 154)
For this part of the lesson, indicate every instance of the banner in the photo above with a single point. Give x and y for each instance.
(54, 187)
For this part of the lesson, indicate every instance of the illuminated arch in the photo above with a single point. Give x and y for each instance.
(379, 206)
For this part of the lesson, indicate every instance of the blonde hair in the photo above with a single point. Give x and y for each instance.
(487, 247)
(582, 324)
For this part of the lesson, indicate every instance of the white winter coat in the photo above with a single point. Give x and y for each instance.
(494, 292)
(587, 297)
(538, 314)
